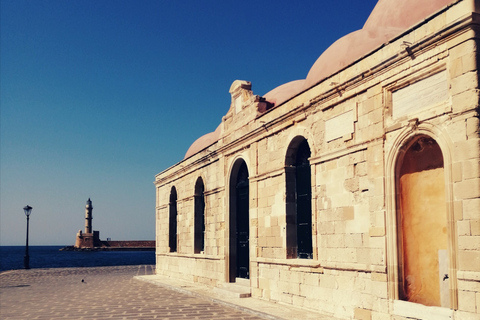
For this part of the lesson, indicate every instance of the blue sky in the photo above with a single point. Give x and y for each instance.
(97, 97)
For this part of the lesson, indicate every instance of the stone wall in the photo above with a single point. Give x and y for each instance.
(92, 240)
(88, 240)
(358, 123)
(129, 244)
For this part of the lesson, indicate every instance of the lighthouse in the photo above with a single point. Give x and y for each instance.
(88, 216)
(90, 239)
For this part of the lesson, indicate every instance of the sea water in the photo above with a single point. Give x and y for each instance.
(11, 257)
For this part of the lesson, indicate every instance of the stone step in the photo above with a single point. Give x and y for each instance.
(242, 282)
(238, 289)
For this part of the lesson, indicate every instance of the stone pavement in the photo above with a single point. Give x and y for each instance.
(118, 293)
(265, 309)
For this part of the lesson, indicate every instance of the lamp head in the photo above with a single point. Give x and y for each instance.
(28, 210)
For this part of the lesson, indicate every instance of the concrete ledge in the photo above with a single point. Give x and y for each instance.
(233, 290)
(418, 311)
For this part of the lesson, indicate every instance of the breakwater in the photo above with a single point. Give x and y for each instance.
(11, 257)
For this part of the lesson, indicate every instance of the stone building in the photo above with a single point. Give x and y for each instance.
(354, 192)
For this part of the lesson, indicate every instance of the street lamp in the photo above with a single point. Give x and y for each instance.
(26, 259)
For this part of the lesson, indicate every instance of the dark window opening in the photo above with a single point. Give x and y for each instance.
(298, 200)
(199, 224)
(303, 193)
(172, 235)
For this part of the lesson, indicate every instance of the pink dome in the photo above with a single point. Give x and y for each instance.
(346, 50)
(284, 92)
(402, 13)
(388, 19)
(203, 142)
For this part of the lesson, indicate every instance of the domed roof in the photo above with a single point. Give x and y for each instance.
(347, 50)
(203, 142)
(388, 19)
(402, 13)
(284, 92)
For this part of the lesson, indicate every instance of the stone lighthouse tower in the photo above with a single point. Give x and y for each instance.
(90, 239)
(88, 216)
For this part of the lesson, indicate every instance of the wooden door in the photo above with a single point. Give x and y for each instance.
(423, 226)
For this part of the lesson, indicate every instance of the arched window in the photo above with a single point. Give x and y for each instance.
(423, 255)
(199, 225)
(298, 200)
(172, 235)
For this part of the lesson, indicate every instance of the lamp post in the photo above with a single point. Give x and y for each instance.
(26, 259)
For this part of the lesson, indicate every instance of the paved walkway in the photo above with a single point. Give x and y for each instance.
(124, 292)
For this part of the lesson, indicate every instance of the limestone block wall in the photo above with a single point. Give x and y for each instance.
(206, 267)
(348, 265)
(464, 133)
(359, 124)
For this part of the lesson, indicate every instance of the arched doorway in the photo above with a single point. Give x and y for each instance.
(199, 224)
(239, 257)
(422, 224)
(172, 232)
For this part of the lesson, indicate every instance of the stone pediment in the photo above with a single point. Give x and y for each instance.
(244, 107)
